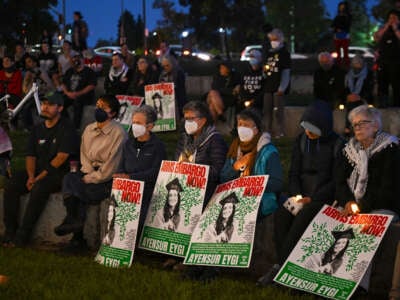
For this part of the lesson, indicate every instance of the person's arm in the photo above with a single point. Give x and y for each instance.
(55, 163)
(217, 155)
(30, 166)
(275, 172)
(294, 186)
(343, 193)
(285, 80)
(379, 33)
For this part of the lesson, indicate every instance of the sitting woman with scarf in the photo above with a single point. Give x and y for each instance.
(359, 83)
(119, 77)
(367, 177)
(252, 153)
(368, 173)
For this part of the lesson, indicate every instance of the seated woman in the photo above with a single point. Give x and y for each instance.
(100, 154)
(311, 175)
(370, 167)
(222, 93)
(142, 154)
(201, 143)
(359, 84)
(367, 177)
(252, 153)
(143, 75)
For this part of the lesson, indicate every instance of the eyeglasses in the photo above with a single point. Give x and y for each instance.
(361, 124)
(192, 118)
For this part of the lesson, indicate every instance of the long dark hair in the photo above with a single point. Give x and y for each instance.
(219, 224)
(328, 255)
(175, 213)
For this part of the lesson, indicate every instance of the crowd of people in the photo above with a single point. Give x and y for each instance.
(362, 170)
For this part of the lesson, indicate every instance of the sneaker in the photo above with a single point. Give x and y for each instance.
(268, 278)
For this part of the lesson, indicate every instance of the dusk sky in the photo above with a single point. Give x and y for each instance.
(102, 16)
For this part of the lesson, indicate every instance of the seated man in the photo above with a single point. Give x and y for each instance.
(101, 149)
(222, 94)
(119, 76)
(50, 145)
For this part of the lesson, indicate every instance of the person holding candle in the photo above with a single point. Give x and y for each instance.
(367, 178)
(311, 180)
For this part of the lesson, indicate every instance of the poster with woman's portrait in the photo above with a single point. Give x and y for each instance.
(127, 105)
(161, 96)
(121, 221)
(334, 253)
(175, 207)
(224, 234)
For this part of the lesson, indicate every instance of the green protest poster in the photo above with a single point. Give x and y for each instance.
(175, 207)
(225, 232)
(127, 105)
(334, 253)
(161, 96)
(118, 244)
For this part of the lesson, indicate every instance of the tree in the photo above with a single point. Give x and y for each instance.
(304, 21)
(361, 23)
(381, 10)
(25, 19)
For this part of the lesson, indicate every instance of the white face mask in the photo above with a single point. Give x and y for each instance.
(275, 44)
(191, 127)
(245, 133)
(138, 130)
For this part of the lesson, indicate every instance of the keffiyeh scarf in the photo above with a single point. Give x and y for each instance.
(358, 157)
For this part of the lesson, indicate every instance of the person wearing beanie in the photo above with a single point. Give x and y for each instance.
(311, 175)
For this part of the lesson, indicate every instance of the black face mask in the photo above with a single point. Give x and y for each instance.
(100, 115)
(10, 69)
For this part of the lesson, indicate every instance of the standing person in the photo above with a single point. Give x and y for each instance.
(277, 73)
(251, 89)
(311, 175)
(143, 76)
(50, 145)
(100, 154)
(329, 81)
(142, 154)
(341, 33)
(78, 86)
(80, 32)
(172, 72)
(388, 39)
(119, 77)
(221, 96)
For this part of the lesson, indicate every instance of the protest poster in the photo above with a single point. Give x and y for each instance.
(128, 105)
(161, 96)
(225, 232)
(333, 254)
(175, 207)
(118, 243)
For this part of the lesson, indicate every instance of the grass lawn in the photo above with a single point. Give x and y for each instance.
(40, 274)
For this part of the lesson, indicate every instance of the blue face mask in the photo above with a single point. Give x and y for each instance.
(254, 61)
(100, 115)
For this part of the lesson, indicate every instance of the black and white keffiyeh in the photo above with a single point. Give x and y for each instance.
(113, 74)
(358, 157)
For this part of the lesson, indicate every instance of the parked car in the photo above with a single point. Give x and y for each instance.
(245, 55)
(36, 48)
(354, 50)
(179, 51)
(106, 51)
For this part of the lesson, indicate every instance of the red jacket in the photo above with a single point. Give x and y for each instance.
(14, 86)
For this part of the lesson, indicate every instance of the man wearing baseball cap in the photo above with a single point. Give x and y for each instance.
(50, 145)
